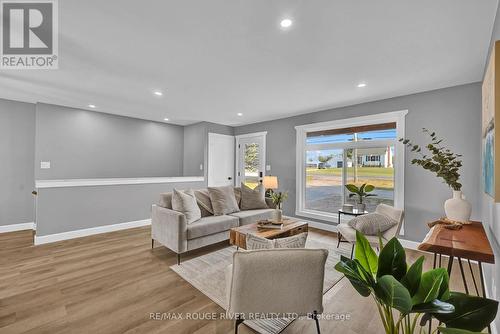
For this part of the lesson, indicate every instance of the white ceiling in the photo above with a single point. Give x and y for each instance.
(213, 59)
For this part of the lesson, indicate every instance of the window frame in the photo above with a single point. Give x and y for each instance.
(399, 152)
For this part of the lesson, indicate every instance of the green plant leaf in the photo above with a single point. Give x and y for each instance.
(350, 269)
(392, 260)
(413, 276)
(446, 330)
(352, 188)
(429, 287)
(393, 294)
(365, 254)
(380, 241)
(435, 306)
(444, 289)
(369, 188)
(471, 313)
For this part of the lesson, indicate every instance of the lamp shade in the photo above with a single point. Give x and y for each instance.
(270, 182)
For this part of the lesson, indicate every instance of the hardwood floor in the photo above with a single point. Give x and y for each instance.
(111, 283)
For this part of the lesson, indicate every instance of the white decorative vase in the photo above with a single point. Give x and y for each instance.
(457, 208)
(279, 215)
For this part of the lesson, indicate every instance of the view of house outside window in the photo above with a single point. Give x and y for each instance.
(348, 158)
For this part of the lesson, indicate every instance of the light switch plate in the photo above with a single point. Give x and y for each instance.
(45, 164)
(268, 168)
(201, 166)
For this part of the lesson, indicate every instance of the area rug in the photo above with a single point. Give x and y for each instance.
(207, 274)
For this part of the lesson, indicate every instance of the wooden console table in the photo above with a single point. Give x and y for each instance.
(469, 243)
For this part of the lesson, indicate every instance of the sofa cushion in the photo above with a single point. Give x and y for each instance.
(185, 202)
(252, 199)
(165, 200)
(223, 200)
(210, 225)
(203, 199)
(252, 216)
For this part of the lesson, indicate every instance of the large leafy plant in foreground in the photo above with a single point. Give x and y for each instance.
(406, 294)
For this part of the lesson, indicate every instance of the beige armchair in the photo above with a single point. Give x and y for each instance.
(276, 282)
(349, 234)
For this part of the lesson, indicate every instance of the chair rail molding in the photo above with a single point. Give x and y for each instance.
(114, 181)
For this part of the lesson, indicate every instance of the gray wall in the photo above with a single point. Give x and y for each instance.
(194, 149)
(87, 144)
(454, 113)
(74, 208)
(491, 214)
(17, 139)
(196, 146)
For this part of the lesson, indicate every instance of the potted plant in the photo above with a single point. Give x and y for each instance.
(406, 296)
(278, 199)
(446, 165)
(361, 192)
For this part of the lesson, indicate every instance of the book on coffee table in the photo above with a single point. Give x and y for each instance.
(269, 224)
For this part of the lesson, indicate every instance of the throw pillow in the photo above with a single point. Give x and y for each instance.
(237, 194)
(295, 241)
(165, 200)
(372, 223)
(252, 198)
(223, 200)
(203, 199)
(255, 242)
(185, 202)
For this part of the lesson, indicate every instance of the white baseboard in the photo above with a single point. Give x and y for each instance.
(322, 226)
(17, 227)
(319, 226)
(45, 239)
(409, 244)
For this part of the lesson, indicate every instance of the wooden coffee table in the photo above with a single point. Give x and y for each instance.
(238, 235)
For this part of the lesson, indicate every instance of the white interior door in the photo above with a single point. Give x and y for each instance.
(250, 158)
(220, 160)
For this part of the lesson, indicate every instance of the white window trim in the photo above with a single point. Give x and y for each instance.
(399, 152)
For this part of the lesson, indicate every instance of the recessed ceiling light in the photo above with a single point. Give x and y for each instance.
(361, 85)
(93, 106)
(158, 93)
(239, 114)
(166, 119)
(286, 23)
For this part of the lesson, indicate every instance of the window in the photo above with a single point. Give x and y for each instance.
(358, 150)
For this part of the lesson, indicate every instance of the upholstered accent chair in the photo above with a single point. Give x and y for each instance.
(276, 281)
(349, 234)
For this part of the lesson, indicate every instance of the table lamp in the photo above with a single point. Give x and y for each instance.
(270, 182)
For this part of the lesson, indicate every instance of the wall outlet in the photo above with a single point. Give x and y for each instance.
(268, 168)
(45, 164)
(201, 166)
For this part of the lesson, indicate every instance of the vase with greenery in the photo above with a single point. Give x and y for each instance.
(407, 297)
(278, 198)
(446, 164)
(361, 192)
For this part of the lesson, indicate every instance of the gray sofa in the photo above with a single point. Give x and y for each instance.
(169, 227)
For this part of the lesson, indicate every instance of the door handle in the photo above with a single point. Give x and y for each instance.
(229, 178)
